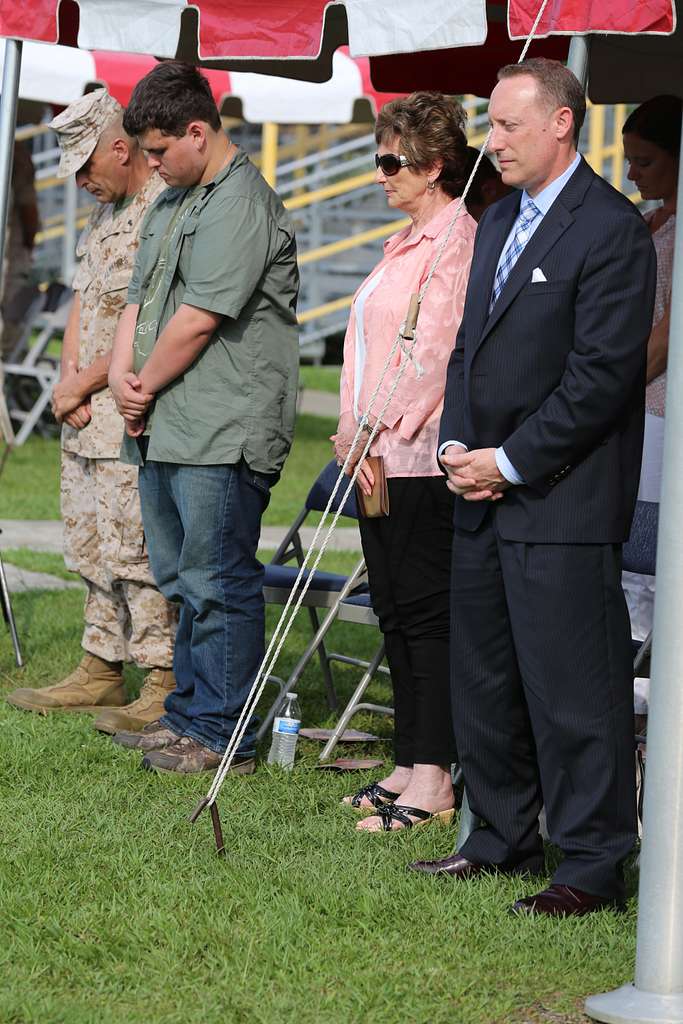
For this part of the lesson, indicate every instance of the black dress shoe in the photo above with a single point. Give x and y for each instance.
(565, 901)
(455, 866)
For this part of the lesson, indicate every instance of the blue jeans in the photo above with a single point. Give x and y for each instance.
(202, 525)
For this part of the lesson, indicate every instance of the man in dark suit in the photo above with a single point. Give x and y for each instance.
(541, 439)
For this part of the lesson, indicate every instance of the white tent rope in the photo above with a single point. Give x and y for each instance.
(268, 662)
(263, 672)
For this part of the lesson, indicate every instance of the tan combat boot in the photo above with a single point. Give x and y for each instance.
(149, 707)
(95, 684)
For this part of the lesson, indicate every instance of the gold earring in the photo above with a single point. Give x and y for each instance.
(431, 185)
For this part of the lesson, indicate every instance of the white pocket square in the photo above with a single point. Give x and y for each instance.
(537, 276)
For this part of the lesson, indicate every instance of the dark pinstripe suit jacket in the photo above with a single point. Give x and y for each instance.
(556, 372)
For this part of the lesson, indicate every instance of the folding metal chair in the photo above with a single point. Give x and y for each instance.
(640, 555)
(22, 344)
(31, 373)
(357, 608)
(329, 591)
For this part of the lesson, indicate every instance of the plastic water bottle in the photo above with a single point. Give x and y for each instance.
(285, 733)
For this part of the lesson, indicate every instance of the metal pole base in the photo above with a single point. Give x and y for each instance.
(630, 1005)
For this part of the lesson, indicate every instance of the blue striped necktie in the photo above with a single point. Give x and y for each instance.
(527, 215)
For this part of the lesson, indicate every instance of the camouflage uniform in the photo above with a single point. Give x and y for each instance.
(126, 618)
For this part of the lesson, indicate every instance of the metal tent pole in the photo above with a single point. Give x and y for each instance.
(8, 121)
(657, 996)
(577, 60)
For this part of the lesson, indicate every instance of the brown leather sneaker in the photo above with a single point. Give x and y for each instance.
(152, 737)
(93, 685)
(187, 756)
(149, 706)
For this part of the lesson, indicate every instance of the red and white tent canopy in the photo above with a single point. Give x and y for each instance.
(60, 74)
(636, 49)
(303, 34)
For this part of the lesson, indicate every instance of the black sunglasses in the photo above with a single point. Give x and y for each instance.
(390, 163)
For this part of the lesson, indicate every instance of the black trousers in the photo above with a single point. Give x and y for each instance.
(543, 704)
(408, 559)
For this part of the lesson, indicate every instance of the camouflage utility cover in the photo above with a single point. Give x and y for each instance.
(80, 126)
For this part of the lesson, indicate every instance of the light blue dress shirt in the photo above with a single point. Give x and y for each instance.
(543, 201)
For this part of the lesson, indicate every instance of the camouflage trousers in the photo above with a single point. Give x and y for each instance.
(126, 617)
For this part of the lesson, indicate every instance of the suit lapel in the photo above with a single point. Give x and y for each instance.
(552, 227)
(499, 230)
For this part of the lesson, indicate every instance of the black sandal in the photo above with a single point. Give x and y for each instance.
(388, 813)
(376, 794)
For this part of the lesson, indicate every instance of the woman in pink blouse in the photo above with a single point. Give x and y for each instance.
(420, 161)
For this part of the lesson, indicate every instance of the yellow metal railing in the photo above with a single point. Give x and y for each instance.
(600, 150)
(49, 233)
(371, 235)
(325, 309)
(337, 188)
(618, 147)
(353, 241)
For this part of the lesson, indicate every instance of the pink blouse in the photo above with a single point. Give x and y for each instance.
(409, 443)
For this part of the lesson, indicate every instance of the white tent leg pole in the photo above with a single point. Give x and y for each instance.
(8, 120)
(657, 996)
(578, 58)
(70, 213)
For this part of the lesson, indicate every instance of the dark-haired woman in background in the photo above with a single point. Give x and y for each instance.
(652, 138)
(420, 163)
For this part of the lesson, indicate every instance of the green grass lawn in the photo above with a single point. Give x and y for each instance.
(29, 486)
(38, 561)
(115, 909)
(311, 450)
(320, 378)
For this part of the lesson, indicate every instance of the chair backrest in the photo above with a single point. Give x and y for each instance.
(319, 494)
(640, 550)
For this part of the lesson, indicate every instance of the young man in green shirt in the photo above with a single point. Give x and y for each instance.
(204, 372)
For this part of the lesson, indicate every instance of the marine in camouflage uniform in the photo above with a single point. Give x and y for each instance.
(126, 617)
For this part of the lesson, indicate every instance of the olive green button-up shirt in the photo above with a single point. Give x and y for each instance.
(232, 252)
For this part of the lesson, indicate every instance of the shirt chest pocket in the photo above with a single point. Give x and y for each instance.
(116, 281)
(112, 292)
(87, 270)
(184, 246)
